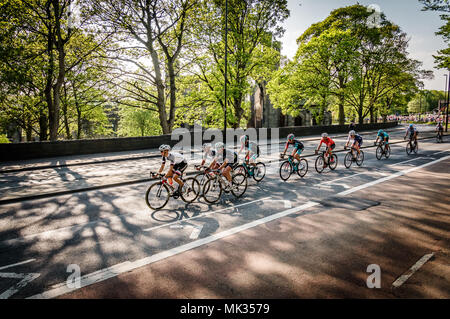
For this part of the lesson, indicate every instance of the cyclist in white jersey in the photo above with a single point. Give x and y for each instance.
(226, 159)
(178, 165)
(208, 152)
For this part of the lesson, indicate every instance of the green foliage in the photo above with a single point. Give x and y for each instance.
(136, 121)
(4, 139)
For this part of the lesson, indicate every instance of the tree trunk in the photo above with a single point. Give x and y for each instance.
(360, 114)
(43, 126)
(173, 93)
(341, 109)
(66, 120)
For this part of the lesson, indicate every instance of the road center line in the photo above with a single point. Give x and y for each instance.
(104, 274)
(395, 175)
(401, 280)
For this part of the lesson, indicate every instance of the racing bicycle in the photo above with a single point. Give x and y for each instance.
(350, 157)
(159, 193)
(216, 185)
(323, 161)
(257, 171)
(412, 146)
(288, 167)
(382, 150)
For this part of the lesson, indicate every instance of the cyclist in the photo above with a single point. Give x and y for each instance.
(357, 141)
(440, 129)
(382, 135)
(413, 132)
(330, 146)
(226, 159)
(298, 147)
(178, 165)
(208, 152)
(251, 148)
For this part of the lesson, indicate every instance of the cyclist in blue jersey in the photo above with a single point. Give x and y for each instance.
(383, 136)
(298, 147)
(251, 150)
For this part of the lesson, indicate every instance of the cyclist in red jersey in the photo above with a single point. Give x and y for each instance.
(330, 146)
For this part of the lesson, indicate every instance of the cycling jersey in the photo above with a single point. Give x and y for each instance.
(439, 127)
(210, 154)
(174, 158)
(412, 130)
(328, 142)
(297, 144)
(227, 154)
(252, 147)
(358, 139)
(384, 135)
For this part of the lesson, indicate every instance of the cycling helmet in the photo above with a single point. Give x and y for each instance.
(219, 146)
(164, 147)
(352, 132)
(244, 138)
(290, 137)
(324, 135)
(380, 132)
(206, 146)
(411, 126)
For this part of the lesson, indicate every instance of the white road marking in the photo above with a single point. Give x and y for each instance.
(196, 232)
(206, 214)
(395, 175)
(401, 280)
(17, 264)
(26, 279)
(414, 159)
(115, 270)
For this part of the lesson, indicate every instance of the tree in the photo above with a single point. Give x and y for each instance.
(253, 26)
(443, 59)
(153, 29)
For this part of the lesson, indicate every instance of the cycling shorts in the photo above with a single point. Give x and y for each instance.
(179, 168)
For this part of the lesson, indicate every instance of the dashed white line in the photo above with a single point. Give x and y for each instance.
(401, 280)
(17, 264)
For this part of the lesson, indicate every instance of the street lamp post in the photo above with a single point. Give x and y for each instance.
(448, 97)
(226, 72)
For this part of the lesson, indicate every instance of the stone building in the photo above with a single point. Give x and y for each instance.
(264, 115)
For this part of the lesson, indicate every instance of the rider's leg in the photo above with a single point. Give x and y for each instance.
(226, 173)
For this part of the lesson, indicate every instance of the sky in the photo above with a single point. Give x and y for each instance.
(419, 25)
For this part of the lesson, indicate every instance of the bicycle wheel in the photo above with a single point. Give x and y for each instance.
(239, 185)
(259, 172)
(302, 167)
(360, 158)
(416, 148)
(285, 170)
(191, 190)
(240, 169)
(379, 152)
(334, 164)
(348, 160)
(319, 164)
(157, 196)
(387, 152)
(212, 190)
(408, 148)
(202, 178)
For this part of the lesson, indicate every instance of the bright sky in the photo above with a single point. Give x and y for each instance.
(419, 25)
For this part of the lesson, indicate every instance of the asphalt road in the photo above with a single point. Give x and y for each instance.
(110, 232)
